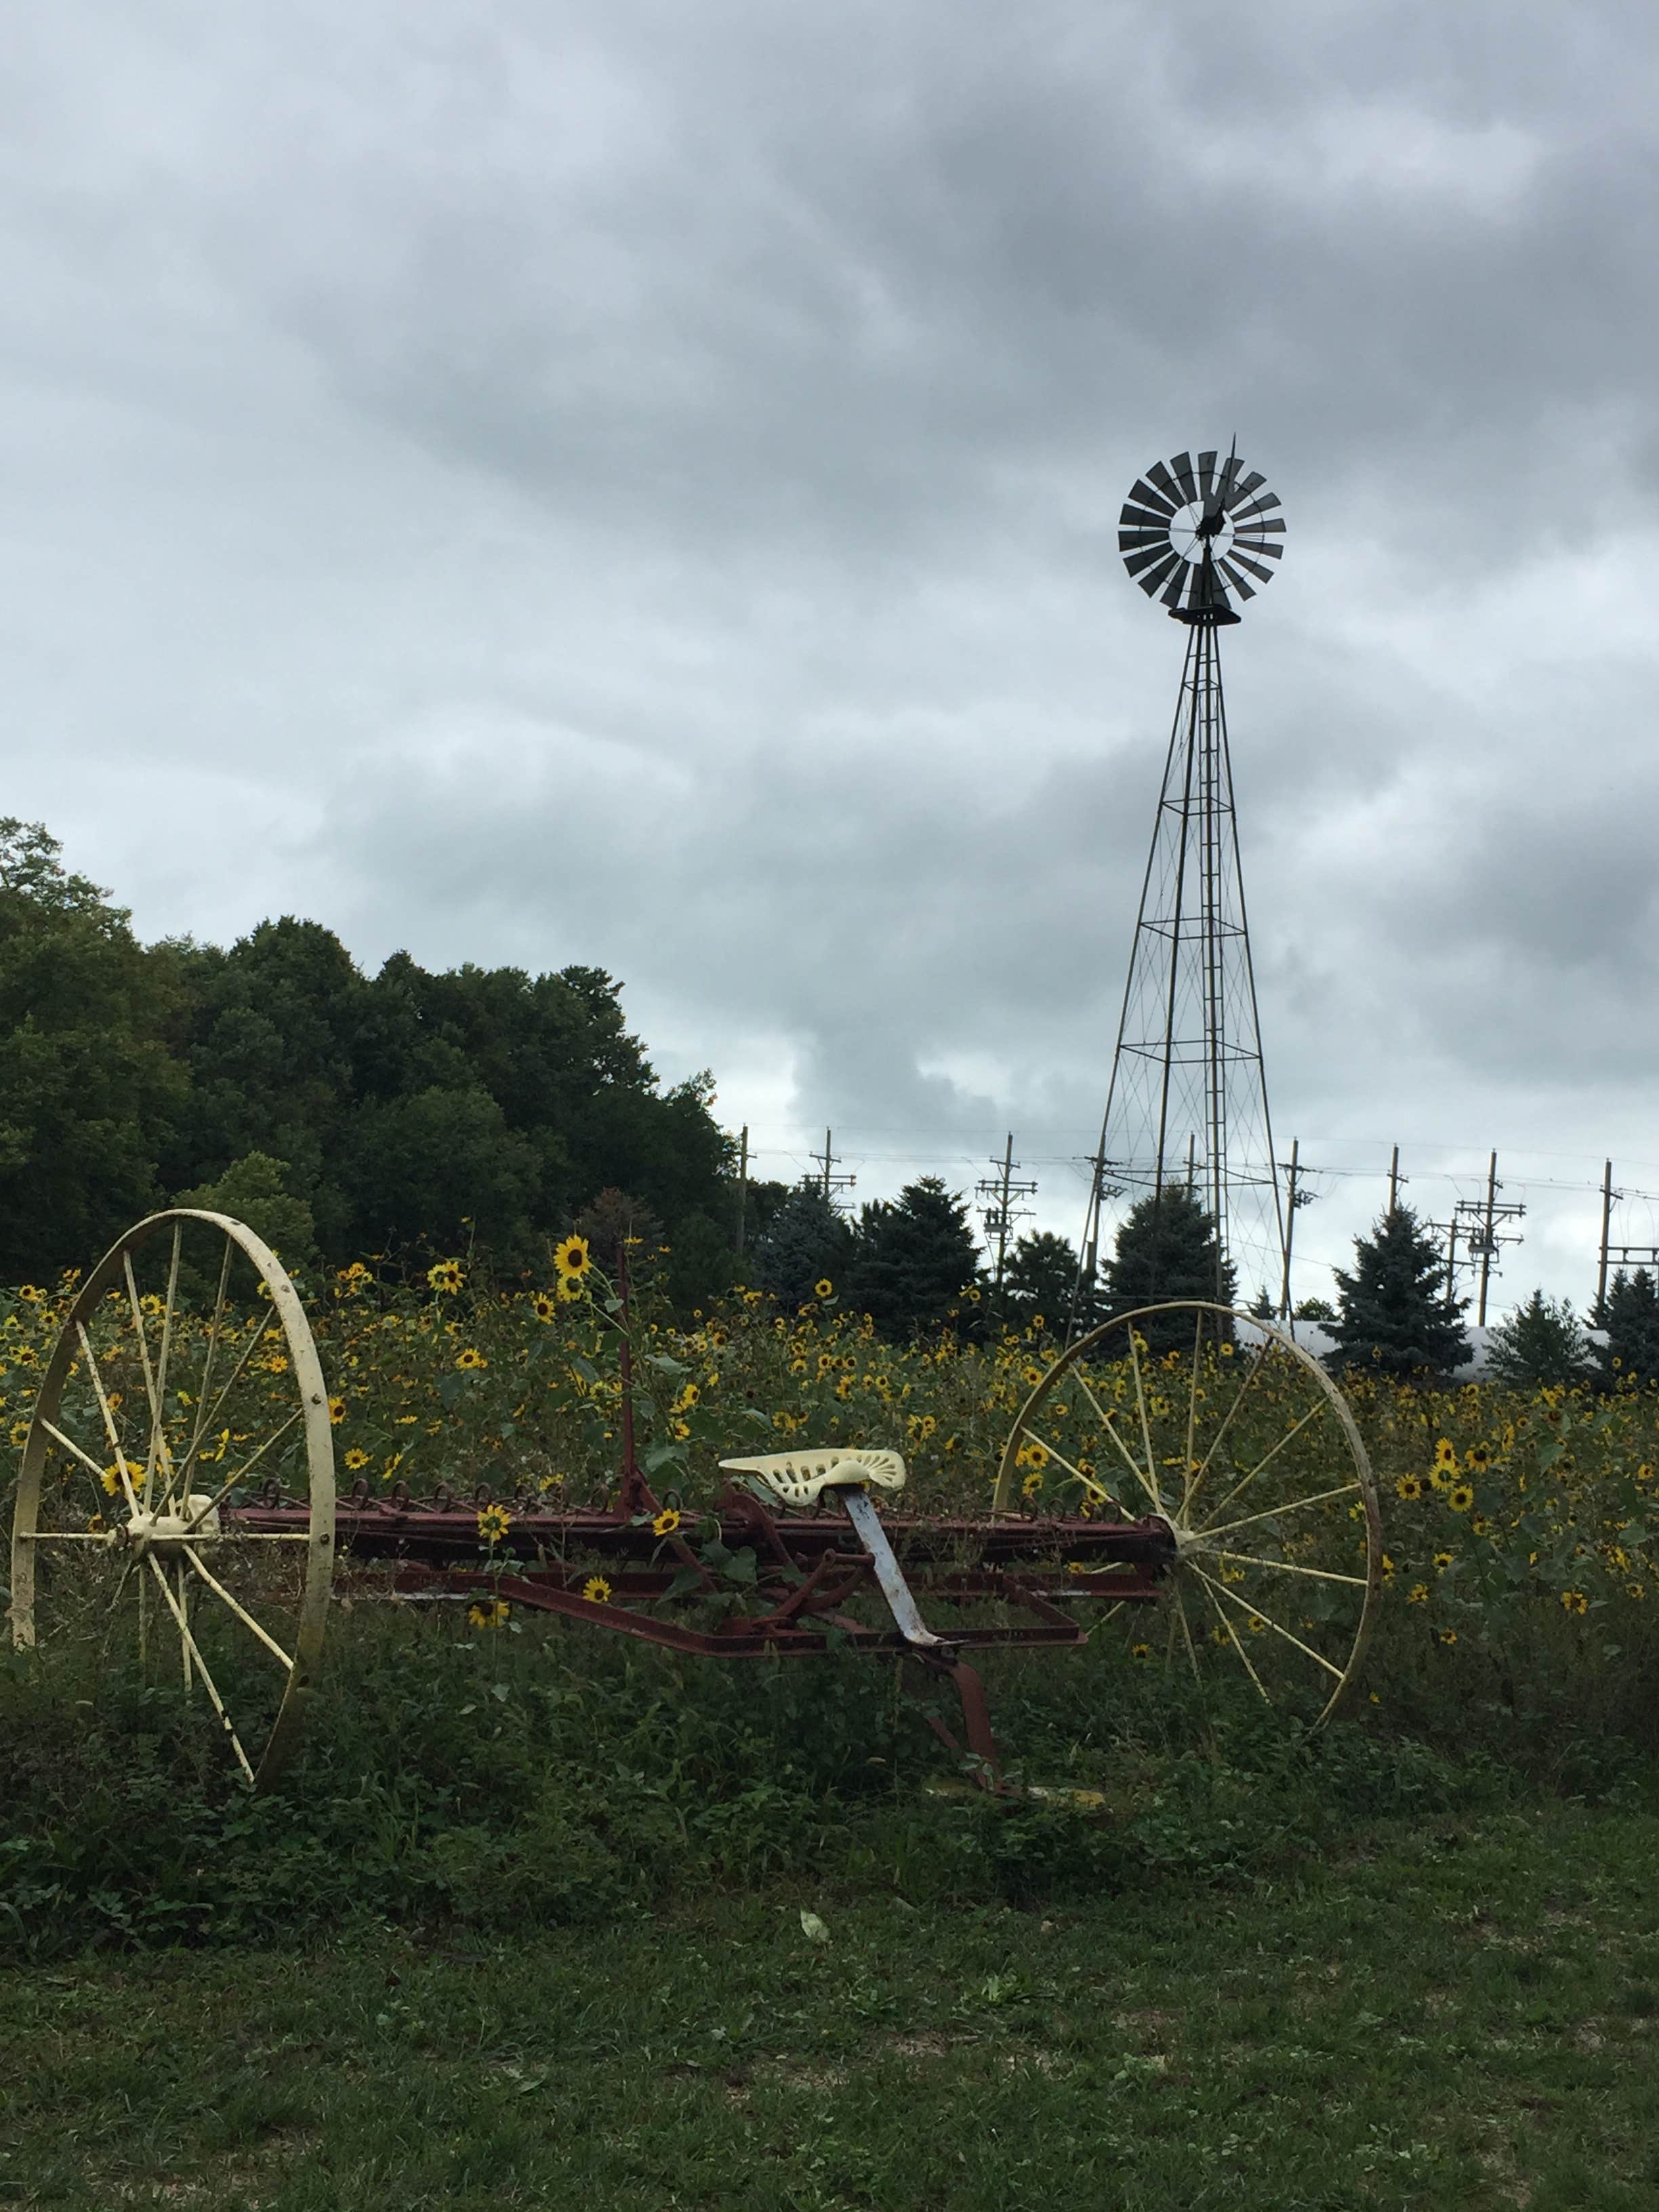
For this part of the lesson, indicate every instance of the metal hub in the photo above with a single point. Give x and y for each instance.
(164, 1536)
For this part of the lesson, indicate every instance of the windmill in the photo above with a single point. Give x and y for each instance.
(1188, 1100)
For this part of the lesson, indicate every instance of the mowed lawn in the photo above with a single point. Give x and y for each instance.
(1456, 2012)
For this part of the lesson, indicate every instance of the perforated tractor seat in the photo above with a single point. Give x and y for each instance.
(800, 1478)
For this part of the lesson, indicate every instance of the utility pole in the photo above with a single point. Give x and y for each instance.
(999, 1211)
(1396, 1179)
(1297, 1196)
(743, 1187)
(1483, 1215)
(1618, 1257)
(826, 1179)
(1609, 1195)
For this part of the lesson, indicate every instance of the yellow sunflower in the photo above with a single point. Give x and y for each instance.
(355, 1458)
(823, 1288)
(1408, 1487)
(1574, 1602)
(665, 1523)
(1460, 1497)
(573, 1259)
(493, 1522)
(470, 1358)
(445, 1275)
(596, 1589)
(543, 1305)
(490, 1612)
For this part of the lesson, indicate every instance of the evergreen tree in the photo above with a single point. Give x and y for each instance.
(1040, 1278)
(1261, 1306)
(1398, 1315)
(1320, 1310)
(1630, 1314)
(913, 1259)
(807, 1242)
(1167, 1247)
(1541, 1341)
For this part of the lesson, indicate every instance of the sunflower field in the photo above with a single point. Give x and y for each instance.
(1520, 1531)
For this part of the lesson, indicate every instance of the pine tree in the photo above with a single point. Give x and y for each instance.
(1398, 1315)
(911, 1258)
(1541, 1341)
(1040, 1279)
(805, 1242)
(1167, 1247)
(1630, 1314)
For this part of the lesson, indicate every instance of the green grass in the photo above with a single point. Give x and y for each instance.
(1461, 2011)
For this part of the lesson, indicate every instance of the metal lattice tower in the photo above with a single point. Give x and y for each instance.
(1188, 1100)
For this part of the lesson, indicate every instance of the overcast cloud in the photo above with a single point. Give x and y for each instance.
(637, 484)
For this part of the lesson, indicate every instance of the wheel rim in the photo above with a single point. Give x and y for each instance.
(184, 1378)
(1248, 1451)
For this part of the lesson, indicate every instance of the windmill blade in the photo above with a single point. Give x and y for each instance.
(1154, 576)
(1207, 474)
(1260, 525)
(1172, 591)
(1146, 516)
(1255, 566)
(1267, 499)
(1141, 490)
(1228, 480)
(1130, 541)
(1268, 548)
(1246, 591)
(1134, 562)
(1182, 469)
(1245, 486)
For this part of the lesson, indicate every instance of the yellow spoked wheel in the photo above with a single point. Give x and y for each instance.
(184, 1378)
(1223, 1428)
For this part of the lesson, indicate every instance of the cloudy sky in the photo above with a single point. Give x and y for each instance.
(637, 484)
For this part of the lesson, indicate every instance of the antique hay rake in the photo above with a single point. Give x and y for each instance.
(177, 1493)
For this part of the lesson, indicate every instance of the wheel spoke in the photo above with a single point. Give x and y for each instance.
(156, 1443)
(248, 1350)
(109, 1420)
(166, 1352)
(1087, 1481)
(1189, 1464)
(1277, 1512)
(1225, 1619)
(212, 1353)
(237, 1607)
(208, 1682)
(225, 1489)
(1245, 1481)
(1254, 1613)
(1216, 1441)
(1146, 1422)
(1290, 1567)
(1111, 1611)
(1123, 1451)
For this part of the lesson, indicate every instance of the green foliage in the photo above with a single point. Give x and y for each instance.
(256, 1190)
(1398, 1317)
(482, 1107)
(88, 1088)
(1541, 1341)
(1041, 1278)
(1167, 1248)
(1319, 1310)
(807, 1242)
(1629, 1315)
(913, 1259)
